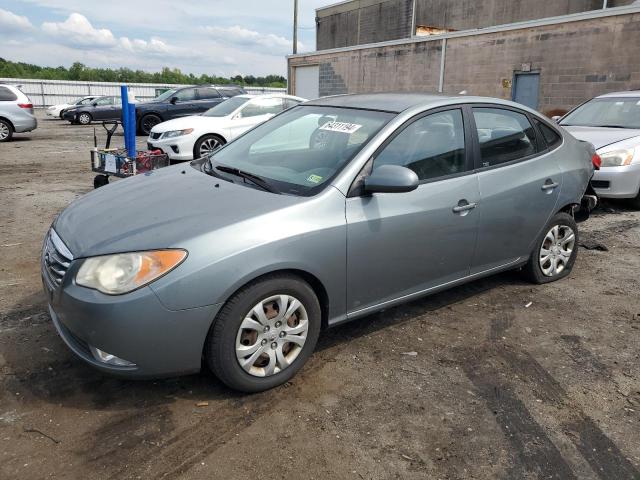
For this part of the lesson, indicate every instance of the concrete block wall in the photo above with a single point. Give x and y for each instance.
(576, 61)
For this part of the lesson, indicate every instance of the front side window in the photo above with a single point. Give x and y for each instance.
(623, 112)
(85, 101)
(262, 106)
(304, 147)
(186, 95)
(104, 101)
(504, 135)
(432, 146)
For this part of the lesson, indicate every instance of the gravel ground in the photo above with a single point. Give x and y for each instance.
(470, 383)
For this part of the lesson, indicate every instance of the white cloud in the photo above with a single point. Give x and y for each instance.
(240, 36)
(77, 30)
(153, 46)
(10, 22)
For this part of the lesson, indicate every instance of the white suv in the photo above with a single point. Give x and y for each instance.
(16, 112)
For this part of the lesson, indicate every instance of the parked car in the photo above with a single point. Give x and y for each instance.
(182, 102)
(16, 113)
(57, 110)
(332, 210)
(100, 109)
(195, 136)
(611, 123)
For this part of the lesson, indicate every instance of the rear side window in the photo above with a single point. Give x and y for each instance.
(7, 95)
(230, 92)
(504, 136)
(207, 93)
(432, 146)
(550, 136)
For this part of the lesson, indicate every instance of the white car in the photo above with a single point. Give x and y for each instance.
(192, 137)
(56, 110)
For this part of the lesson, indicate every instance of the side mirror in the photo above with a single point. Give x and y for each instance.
(173, 100)
(391, 179)
(556, 118)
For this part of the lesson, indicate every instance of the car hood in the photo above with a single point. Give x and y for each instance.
(601, 137)
(163, 209)
(192, 121)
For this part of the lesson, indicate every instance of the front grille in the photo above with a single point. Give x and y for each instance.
(155, 135)
(600, 183)
(56, 259)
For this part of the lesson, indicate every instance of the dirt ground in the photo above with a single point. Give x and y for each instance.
(497, 379)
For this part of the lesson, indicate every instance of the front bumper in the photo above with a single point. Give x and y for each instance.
(617, 182)
(178, 148)
(135, 327)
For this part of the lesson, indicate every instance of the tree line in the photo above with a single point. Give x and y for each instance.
(79, 71)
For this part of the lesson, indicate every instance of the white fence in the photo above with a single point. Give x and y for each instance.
(52, 92)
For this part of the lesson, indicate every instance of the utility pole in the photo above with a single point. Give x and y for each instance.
(295, 26)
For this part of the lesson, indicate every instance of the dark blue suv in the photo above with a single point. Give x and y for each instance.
(182, 102)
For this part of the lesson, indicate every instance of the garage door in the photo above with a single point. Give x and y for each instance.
(307, 84)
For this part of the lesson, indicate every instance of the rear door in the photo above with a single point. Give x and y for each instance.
(519, 181)
(207, 97)
(400, 244)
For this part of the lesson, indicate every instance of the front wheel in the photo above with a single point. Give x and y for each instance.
(207, 144)
(264, 333)
(148, 122)
(555, 250)
(84, 118)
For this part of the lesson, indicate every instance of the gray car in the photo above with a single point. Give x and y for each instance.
(611, 123)
(16, 113)
(329, 211)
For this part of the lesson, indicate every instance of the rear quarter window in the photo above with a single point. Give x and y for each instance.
(7, 95)
(550, 136)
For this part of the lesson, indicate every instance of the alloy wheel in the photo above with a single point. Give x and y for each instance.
(556, 250)
(149, 122)
(271, 335)
(4, 131)
(208, 146)
(84, 118)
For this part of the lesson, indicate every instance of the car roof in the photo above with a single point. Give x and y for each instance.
(630, 93)
(398, 101)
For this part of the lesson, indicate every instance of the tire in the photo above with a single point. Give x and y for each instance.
(149, 121)
(100, 181)
(84, 118)
(264, 371)
(562, 249)
(61, 114)
(207, 144)
(635, 202)
(6, 131)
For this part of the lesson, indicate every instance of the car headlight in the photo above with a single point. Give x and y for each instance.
(617, 158)
(177, 133)
(124, 272)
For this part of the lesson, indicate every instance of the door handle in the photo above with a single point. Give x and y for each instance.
(549, 184)
(464, 206)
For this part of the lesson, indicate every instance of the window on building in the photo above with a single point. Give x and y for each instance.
(504, 135)
(432, 146)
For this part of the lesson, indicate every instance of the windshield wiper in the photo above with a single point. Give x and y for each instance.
(255, 179)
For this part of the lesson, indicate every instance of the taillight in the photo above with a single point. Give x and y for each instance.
(25, 105)
(597, 161)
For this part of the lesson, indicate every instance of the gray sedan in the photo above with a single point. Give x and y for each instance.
(330, 211)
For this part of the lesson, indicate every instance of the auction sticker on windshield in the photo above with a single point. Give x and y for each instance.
(343, 127)
(314, 178)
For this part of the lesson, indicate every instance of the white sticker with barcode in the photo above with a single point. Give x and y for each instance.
(343, 127)
(110, 164)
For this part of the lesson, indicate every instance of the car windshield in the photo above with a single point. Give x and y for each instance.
(164, 96)
(226, 108)
(77, 101)
(617, 112)
(303, 148)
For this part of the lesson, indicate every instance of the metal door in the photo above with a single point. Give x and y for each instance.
(307, 82)
(526, 88)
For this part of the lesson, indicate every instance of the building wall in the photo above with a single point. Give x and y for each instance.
(576, 61)
(468, 14)
(363, 21)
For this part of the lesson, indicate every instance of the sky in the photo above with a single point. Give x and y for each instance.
(221, 37)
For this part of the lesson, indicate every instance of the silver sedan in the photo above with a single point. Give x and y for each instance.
(329, 211)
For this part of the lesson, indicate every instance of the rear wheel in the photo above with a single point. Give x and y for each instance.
(264, 333)
(148, 122)
(635, 202)
(206, 145)
(84, 118)
(6, 131)
(555, 250)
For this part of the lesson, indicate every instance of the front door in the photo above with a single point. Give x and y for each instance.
(526, 87)
(399, 244)
(185, 104)
(519, 185)
(103, 109)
